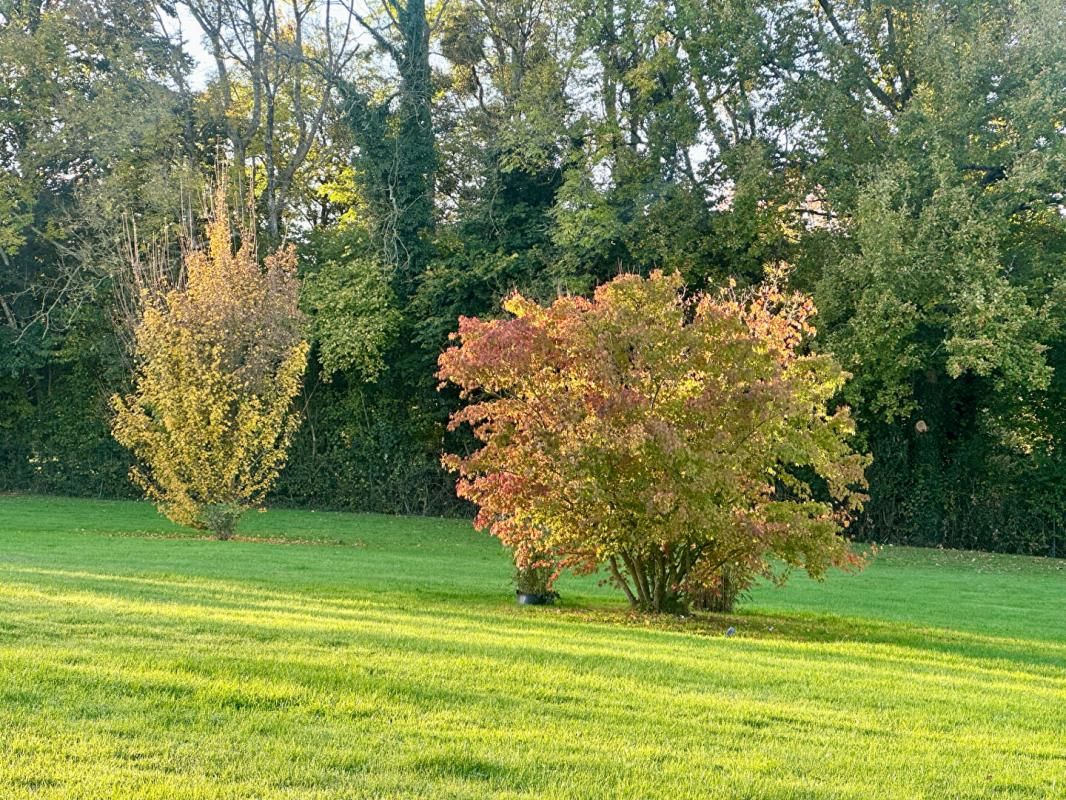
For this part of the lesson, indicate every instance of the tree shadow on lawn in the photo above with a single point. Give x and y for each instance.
(218, 598)
(1047, 657)
(191, 535)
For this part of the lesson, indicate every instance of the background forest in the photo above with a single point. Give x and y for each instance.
(907, 159)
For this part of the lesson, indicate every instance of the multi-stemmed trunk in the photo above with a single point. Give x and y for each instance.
(651, 581)
(655, 581)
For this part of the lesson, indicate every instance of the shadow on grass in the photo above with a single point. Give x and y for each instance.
(250, 607)
(806, 627)
(200, 536)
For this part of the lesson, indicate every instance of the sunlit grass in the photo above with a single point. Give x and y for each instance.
(378, 657)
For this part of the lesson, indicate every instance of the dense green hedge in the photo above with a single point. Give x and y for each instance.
(922, 496)
(355, 451)
(360, 451)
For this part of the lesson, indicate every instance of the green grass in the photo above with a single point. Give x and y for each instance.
(349, 656)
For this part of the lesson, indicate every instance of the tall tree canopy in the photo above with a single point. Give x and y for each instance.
(427, 159)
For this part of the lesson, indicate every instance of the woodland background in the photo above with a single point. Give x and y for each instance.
(907, 159)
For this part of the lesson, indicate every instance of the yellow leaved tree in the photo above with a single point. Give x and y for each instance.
(219, 358)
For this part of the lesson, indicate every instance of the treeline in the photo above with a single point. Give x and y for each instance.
(907, 159)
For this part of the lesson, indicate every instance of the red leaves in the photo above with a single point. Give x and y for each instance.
(655, 429)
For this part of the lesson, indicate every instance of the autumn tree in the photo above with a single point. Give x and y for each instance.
(219, 360)
(678, 442)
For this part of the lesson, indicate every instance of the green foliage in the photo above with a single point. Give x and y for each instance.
(55, 438)
(926, 296)
(907, 158)
(90, 139)
(396, 155)
(361, 448)
(353, 315)
(54, 420)
(944, 296)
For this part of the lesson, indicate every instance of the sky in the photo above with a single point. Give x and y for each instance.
(192, 35)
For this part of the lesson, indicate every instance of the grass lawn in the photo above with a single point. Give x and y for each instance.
(349, 656)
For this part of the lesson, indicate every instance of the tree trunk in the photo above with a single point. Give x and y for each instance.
(653, 587)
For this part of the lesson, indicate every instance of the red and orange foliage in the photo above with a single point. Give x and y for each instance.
(684, 444)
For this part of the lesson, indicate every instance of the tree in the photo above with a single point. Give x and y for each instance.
(503, 134)
(940, 161)
(219, 361)
(276, 65)
(683, 162)
(86, 123)
(350, 307)
(679, 442)
(393, 128)
(89, 137)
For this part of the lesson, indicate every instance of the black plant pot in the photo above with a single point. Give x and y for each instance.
(526, 599)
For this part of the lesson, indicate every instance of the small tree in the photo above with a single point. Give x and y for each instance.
(684, 444)
(219, 359)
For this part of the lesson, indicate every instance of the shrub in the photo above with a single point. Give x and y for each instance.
(685, 445)
(535, 579)
(219, 360)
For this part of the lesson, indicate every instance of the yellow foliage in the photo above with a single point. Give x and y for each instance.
(219, 362)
